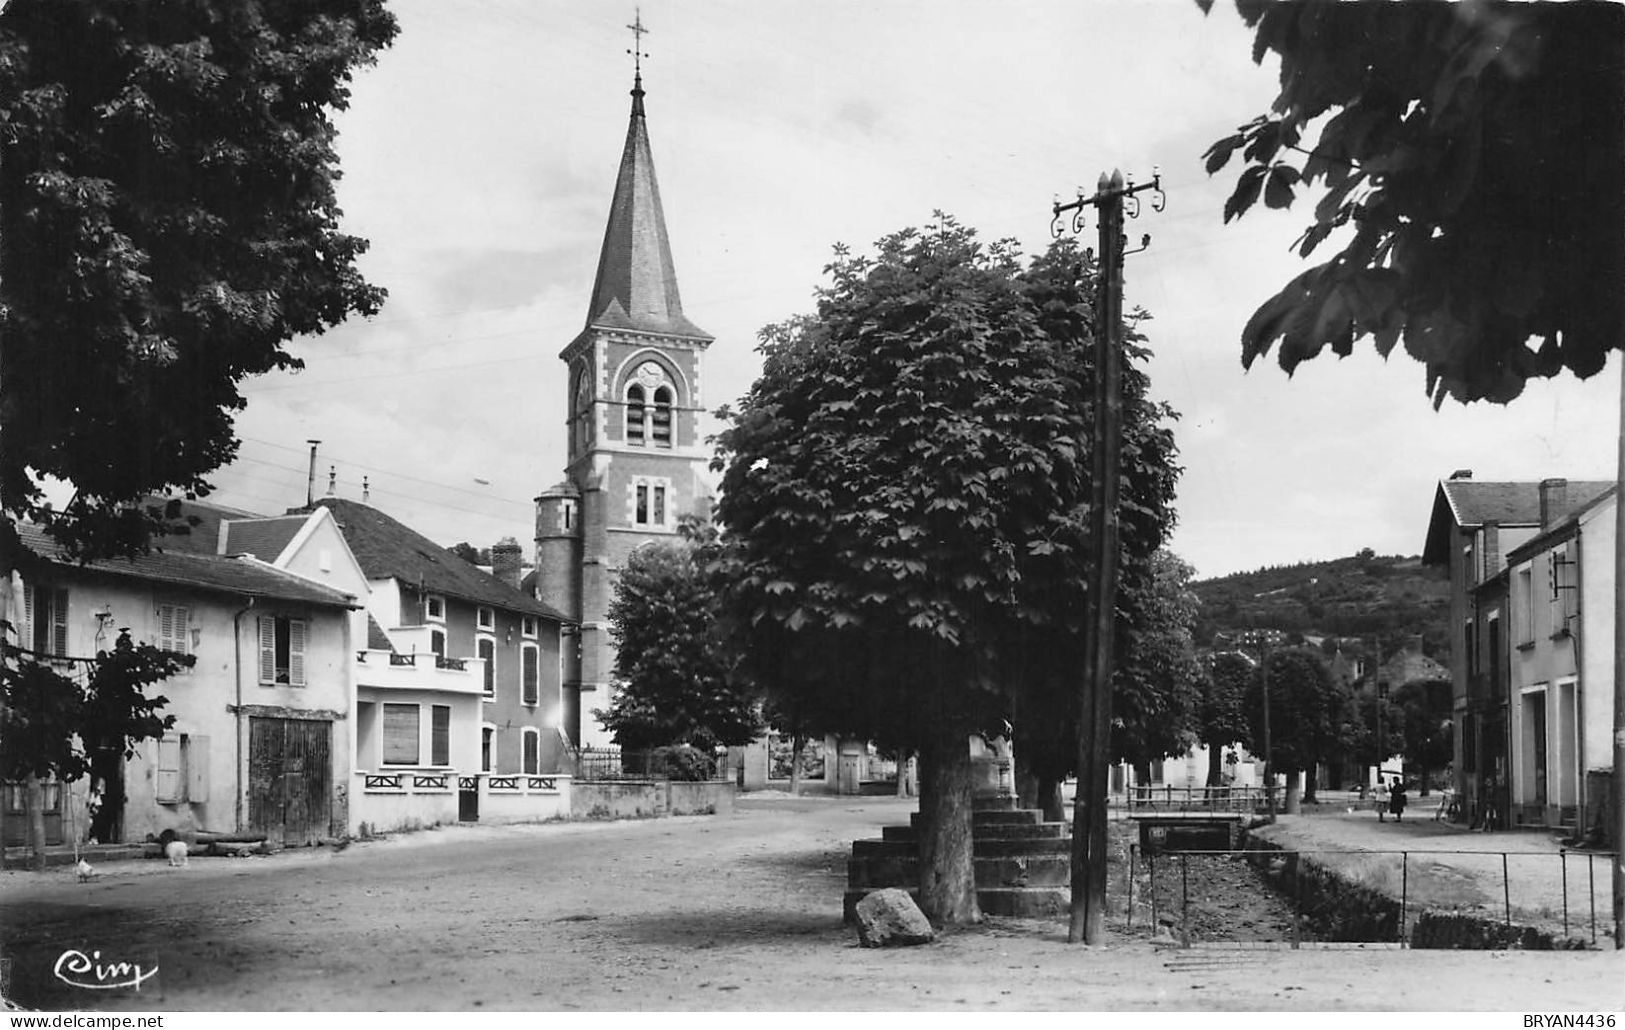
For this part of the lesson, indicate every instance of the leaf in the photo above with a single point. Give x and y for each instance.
(1278, 193)
(1218, 155)
(1246, 193)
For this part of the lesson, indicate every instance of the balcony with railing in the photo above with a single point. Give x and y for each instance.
(423, 670)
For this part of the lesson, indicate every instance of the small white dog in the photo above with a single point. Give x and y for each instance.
(84, 871)
(175, 851)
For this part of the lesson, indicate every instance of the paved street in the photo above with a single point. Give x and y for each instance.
(724, 912)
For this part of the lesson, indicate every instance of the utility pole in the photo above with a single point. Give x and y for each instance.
(1618, 798)
(1113, 198)
(1269, 750)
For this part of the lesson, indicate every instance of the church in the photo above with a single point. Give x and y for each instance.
(635, 461)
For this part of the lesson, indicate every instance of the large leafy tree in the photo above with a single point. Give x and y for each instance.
(1157, 687)
(167, 222)
(1466, 159)
(1428, 737)
(69, 725)
(1222, 714)
(678, 681)
(903, 486)
(1306, 709)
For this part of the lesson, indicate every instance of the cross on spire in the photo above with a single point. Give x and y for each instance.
(638, 32)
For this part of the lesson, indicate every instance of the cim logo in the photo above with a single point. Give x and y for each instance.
(76, 969)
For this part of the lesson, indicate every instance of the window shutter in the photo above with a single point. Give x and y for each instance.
(400, 734)
(296, 652)
(530, 672)
(56, 622)
(488, 652)
(197, 769)
(168, 788)
(267, 626)
(531, 741)
(440, 735)
(25, 632)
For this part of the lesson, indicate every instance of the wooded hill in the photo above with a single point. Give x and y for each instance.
(1366, 594)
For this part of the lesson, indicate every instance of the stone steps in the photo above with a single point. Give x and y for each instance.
(1022, 864)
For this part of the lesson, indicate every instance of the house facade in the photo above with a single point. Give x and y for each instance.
(260, 742)
(1475, 525)
(1561, 664)
(636, 461)
(458, 679)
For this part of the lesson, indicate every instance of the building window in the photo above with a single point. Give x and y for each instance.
(569, 513)
(400, 734)
(487, 742)
(183, 770)
(440, 735)
(650, 502)
(437, 642)
(47, 614)
(282, 650)
(434, 608)
(487, 618)
(488, 653)
(636, 412)
(533, 751)
(1565, 587)
(581, 418)
(530, 664)
(527, 626)
(173, 625)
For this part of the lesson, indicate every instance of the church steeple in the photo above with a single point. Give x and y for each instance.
(636, 286)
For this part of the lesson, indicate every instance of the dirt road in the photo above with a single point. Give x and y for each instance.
(720, 912)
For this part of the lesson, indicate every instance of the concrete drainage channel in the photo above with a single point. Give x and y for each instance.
(1207, 894)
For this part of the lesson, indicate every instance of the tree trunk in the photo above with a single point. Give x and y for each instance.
(947, 876)
(797, 745)
(902, 774)
(1215, 765)
(1028, 782)
(36, 821)
(1142, 773)
(1310, 782)
(1293, 794)
(1422, 786)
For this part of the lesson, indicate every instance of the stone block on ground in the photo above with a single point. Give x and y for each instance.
(889, 918)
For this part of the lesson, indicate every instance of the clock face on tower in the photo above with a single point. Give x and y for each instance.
(650, 374)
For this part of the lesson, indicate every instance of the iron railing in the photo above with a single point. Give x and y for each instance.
(667, 763)
(1571, 910)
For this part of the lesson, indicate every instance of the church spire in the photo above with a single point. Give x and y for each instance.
(636, 285)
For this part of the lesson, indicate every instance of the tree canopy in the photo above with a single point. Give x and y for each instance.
(1468, 157)
(167, 222)
(1306, 709)
(904, 490)
(678, 684)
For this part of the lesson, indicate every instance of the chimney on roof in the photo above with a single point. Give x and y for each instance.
(1462, 474)
(332, 480)
(1492, 547)
(506, 563)
(1554, 501)
(366, 490)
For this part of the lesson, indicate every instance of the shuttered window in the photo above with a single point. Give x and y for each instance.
(400, 734)
(183, 770)
(488, 654)
(173, 628)
(531, 668)
(440, 735)
(282, 650)
(47, 613)
(532, 752)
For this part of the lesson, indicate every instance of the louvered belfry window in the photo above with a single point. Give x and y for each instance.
(662, 417)
(634, 415)
(173, 635)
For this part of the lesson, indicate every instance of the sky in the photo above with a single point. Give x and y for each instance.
(479, 156)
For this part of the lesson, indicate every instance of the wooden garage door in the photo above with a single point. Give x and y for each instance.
(290, 779)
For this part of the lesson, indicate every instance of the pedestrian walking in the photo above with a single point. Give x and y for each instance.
(1396, 800)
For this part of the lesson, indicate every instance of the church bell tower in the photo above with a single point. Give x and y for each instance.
(636, 461)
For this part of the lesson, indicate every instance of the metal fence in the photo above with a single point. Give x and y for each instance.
(1577, 870)
(1196, 799)
(664, 763)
